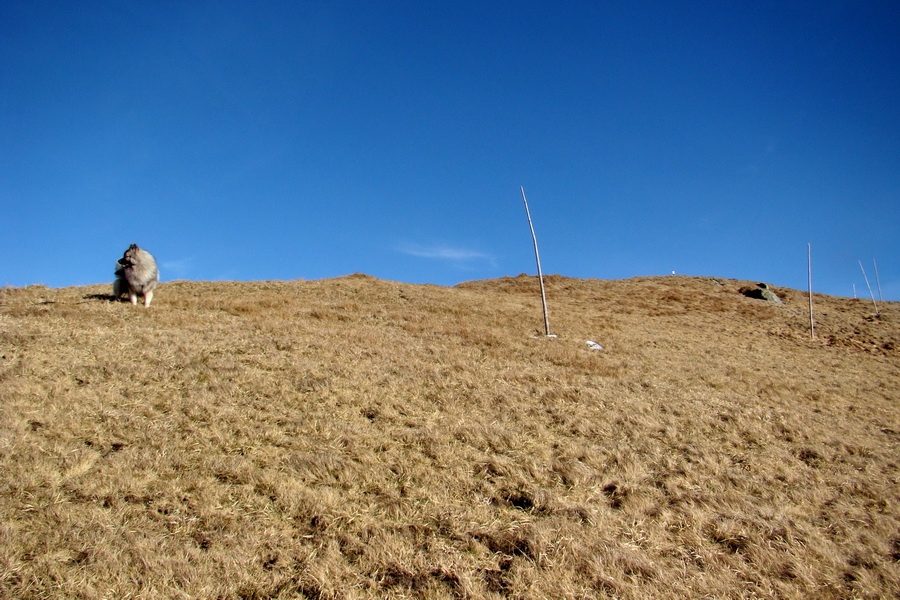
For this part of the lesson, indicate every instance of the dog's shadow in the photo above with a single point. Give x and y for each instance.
(104, 297)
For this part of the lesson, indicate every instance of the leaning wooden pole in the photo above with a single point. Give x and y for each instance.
(812, 321)
(878, 281)
(875, 304)
(537, 258)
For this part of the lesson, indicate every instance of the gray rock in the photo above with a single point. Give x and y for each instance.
(770, 296)
(761, 292)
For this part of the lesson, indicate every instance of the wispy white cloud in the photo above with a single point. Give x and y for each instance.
(177, 268)
(444, 252)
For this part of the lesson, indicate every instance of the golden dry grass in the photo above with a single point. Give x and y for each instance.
(359, 438)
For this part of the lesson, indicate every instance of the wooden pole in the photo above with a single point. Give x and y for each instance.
(869, 286)
(878, 281)
(812, 322)
(537, 258)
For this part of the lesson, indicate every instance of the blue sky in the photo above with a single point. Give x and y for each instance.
(283, 140)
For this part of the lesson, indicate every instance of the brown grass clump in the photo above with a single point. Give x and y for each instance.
(359, 438)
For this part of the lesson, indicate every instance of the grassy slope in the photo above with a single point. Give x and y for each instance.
(357, 438)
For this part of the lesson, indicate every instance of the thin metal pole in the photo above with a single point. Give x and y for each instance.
(537, 258)
(812, 322)
(875, 304)
(878, 280)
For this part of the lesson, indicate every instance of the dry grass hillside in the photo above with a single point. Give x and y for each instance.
(358, 438)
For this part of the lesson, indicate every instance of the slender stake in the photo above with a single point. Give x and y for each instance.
(878, 280)
(812, 322)
(875, 304)
(537, 258)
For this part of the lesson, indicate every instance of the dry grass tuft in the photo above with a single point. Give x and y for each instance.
(359, 438)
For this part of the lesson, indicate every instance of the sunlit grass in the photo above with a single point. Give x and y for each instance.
(358, 438)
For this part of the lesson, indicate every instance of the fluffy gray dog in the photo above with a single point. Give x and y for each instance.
(136, 275)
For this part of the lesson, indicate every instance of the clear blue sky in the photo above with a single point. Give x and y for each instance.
(283, 140)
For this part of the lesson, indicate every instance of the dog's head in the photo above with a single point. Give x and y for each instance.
(128, 259)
